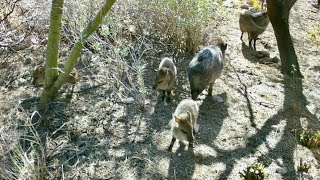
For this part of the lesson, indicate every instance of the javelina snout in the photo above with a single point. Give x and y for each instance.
(166, 77)
(206, 67)
(254, 24)
(184, 122)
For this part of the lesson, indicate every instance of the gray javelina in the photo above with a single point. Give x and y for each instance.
(254, 24)
(166, 77)
(206, 67)
(184, 122)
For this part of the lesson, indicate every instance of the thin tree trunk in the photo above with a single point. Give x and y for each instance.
(52, 48)
(75, 53)
(278, 12)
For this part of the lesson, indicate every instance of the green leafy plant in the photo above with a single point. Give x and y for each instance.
(254, 172)
(315, 35)
(255, 4)
(310, 140)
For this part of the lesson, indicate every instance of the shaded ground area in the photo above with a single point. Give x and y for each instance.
(98, 135)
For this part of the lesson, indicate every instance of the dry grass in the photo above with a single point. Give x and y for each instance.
(115, 127)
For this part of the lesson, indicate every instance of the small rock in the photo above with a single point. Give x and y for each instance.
(244, 6)
(261, 54)
(217, 99)
(21, 80)
(28, 61)
(35, 40)
(147, 102)
(282, 170)
(100, 130)
(202, 96)
(264, 60)
(252, 9)
(129, 100)
(228, 4)
(179, 154)
(275, 59)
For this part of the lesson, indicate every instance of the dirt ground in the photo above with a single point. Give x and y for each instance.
(102, 134)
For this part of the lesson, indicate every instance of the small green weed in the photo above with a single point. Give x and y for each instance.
(254, 172)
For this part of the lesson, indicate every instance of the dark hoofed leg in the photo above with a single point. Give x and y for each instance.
(210, 89)
(163, 96)
(191, 145)
(241, 37)
(168, 96)
(254, 43)
(171, 144)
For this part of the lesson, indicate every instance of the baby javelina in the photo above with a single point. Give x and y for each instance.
(184, 122)
(254, 24)
(206, 67)
(166, 77)
(38, 76)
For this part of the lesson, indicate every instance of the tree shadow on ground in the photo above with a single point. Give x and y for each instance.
(294, 108)
(255, 56)
(182, 163)
(211, 118)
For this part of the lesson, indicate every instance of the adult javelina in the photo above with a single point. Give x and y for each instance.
(184, 122)
(254, 24)
(166, 77)
(206, 67)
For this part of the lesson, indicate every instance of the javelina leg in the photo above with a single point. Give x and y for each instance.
(250, 42)
(210, 89)
(163, 96)
(241, 36)
(191, 145)
(194, 94)
(168, 95)
(171, 144)
(254, 44)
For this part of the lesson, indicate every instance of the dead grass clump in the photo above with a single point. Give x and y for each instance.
(25, 157)
(178, 23)
(116, 47)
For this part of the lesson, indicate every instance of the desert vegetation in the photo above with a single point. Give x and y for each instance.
(98, 117)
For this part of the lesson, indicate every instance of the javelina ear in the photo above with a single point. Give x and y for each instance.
(177, 119)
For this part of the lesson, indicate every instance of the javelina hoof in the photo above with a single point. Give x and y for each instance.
(171, 144)
(163, 96)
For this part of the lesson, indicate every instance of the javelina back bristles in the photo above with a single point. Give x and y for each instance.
(254, 24)
(166, 77)
(184, 122)
(206, 67)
